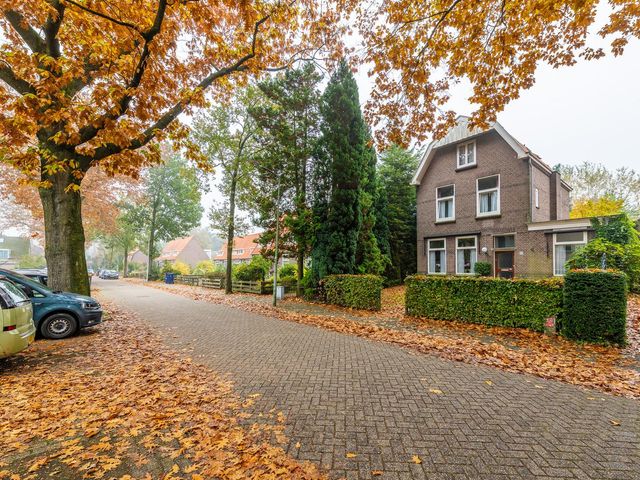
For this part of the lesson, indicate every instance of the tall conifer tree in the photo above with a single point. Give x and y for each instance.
(340, 156)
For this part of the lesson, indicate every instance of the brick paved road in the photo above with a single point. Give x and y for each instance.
(341, 393)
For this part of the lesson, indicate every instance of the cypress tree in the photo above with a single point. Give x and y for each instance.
(341, 152)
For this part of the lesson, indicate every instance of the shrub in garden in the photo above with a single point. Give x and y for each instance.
(483, 269)
(288, 270)
(254, 271)
(491, 301)
(204, 267)
(595, 303)
(353, 291)
(179, 268)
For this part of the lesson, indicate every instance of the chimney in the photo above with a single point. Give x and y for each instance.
(554, 192)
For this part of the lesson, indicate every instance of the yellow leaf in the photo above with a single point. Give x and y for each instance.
(437, 391)
(351, 455)
(615, 423)
(488, 382)
(377, 473)
(416, 459)
(298, 445)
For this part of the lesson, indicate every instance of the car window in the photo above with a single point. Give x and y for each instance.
(17, 295)
(29, 281)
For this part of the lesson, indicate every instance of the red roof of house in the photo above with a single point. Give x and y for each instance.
(243, 248)
(172, 249)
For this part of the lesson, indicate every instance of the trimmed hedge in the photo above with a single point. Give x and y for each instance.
(491, 301)
(595, 303)
(483, 269)
(354, 291)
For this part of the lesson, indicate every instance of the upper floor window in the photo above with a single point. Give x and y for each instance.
(564, 246)
(537, 198)
(238, 251)
(437, 256)
(488, 195)
(446, 203)
(467, 154)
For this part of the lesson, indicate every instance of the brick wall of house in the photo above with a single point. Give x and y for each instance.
(540, 180)
(494, 156)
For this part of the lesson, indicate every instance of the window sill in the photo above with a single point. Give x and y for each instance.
(490, 215)
(466, 167)
(438, 222)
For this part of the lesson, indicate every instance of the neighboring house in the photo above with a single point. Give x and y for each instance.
(244, 249)
(186, 250)
(136, 256)
(484, 196)
(13, 248)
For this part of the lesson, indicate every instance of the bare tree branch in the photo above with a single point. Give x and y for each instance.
(104, 16)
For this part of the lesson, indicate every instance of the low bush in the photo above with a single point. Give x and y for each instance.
(204, 267)
(491, 301)
(254, 271)
(353, 291)
(178, 268)
(595, 303)
(483, 269)
(288, 270)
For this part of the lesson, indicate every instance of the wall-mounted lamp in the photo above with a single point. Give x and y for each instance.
(484, 250)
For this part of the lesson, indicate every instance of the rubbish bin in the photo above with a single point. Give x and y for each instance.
(169, 277)
(279, 292)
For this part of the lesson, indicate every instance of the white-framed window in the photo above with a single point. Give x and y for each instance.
(565, 244)
(466, 255)
(237, 251)
(537, 198)
(488, 196)
(467, 154)
(437, 256)
(446, 203)
(4, 254)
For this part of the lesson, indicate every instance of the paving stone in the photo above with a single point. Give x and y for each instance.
(341, 392)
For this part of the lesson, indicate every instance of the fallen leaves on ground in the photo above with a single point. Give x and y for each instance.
(607, 369)
(114, 402)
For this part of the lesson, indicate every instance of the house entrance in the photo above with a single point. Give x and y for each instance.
(504, 264)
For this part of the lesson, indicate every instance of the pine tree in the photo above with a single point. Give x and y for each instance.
(396, 169)
(337, 209)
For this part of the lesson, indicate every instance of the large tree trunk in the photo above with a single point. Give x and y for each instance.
(126, 262)
(64, 235)
(152, 238)
(231, 230)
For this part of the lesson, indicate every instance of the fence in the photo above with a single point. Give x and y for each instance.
(260, 288)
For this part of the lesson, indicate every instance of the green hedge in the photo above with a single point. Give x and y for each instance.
(490, 301)
(595, 303)
(354, 291)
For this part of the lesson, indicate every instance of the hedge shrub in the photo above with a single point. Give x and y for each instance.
(491, 301)
(595, 303)
(354, 291)
(483, 269)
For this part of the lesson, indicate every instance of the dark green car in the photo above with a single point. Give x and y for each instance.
(57, 314)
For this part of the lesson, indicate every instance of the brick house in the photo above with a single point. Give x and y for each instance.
(186, 250)
(484, 196)
(244, 249)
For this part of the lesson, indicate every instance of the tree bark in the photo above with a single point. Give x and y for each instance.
(152, 234)
(125, 261)
(64, 239)
(231, 229)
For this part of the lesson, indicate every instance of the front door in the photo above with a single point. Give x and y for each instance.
(504, 264)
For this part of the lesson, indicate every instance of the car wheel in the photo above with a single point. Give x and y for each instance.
(58, 325)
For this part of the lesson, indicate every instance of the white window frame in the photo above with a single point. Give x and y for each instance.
(573, 242)
(438, 199)
(444, 257)
(475, 247)
(537, 198)
(8, 253)
(478, 192)
(465, 146)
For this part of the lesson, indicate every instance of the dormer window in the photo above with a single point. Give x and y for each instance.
(466, 154)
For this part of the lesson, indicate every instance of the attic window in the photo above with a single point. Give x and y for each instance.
(466, 154)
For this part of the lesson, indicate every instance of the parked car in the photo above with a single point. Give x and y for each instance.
(35, 274)
(90, 272)
(17, 330)
(57, 314)
(109, 275)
